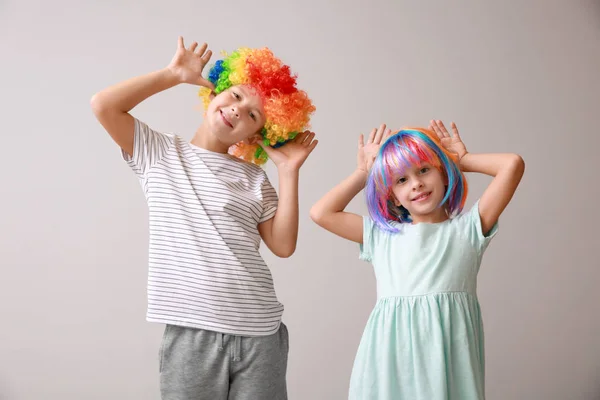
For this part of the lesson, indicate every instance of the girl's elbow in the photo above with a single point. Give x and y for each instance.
(316, 215)
(518, 164)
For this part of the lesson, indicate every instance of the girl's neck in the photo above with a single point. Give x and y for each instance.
(439, 215)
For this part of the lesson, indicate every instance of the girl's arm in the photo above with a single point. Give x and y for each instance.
(329, 211)
(112, 105)
(507, 170)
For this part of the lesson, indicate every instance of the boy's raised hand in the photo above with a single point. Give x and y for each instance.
(187, 63)
(292, 154)
(367, 152)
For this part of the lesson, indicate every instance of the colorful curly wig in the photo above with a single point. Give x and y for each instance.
(287, 109)
(408, 147)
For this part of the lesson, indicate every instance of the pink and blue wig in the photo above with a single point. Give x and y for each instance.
(287, 109)
(411, 147)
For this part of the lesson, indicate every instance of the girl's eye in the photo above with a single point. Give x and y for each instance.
(424, 170)
(401, 180)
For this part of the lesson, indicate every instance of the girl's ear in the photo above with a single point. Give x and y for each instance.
(395, 200)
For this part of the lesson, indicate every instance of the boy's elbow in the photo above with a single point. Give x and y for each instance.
(286, 252)
(97, 104)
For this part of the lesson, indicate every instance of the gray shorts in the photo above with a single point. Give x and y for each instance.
(204, 365)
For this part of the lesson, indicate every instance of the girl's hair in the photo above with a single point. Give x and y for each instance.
(411, 146)
(287, 109)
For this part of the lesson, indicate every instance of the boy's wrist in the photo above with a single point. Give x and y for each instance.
(171, 76)
(286, 172)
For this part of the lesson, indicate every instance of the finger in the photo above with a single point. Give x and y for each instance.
(201, 49)
(206, 83)
(436, 129)
(388, 134)
(443, 128)
(312, 146)
(361, 141)
(454, 130)
(379, 134)
(193, 46)
(309, 139)
(180, 42)
(300, 137)
(268, 149)
(371, 136)
(206, 57)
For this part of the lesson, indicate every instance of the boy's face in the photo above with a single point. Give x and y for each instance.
(235, 115)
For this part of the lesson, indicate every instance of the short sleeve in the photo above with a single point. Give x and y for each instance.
(269, 200)
(149, 147)
(367, 245)
(479, 239)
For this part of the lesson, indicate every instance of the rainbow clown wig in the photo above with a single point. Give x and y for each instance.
(408, 147)
(287, 109)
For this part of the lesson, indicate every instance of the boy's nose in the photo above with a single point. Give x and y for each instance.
(235, 111)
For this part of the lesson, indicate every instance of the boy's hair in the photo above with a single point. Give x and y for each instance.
(287, 109)
(411, 146)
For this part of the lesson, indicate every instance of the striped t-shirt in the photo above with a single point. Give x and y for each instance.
(205, 269)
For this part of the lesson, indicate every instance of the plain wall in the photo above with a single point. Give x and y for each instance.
(516, 76)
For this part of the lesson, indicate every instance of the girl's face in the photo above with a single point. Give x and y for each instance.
(235, 114)
(420, 190)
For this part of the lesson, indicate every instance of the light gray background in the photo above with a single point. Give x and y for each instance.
(517, 76)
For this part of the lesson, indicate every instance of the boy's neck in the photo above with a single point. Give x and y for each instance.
(205, 139)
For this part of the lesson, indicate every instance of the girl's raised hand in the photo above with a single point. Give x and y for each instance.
(367, 152)
(453, 143)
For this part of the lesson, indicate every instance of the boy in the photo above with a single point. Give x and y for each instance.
(210, 205)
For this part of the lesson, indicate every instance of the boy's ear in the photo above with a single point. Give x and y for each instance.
(254, 139)
(212, 95)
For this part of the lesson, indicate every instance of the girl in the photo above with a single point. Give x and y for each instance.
(424, 338)
(210, 205)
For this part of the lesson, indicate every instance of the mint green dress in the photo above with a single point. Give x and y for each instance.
(424, 338)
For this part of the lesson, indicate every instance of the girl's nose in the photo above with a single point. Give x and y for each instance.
(417, 184)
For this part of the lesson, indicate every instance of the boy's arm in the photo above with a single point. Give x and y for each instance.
(112, 105)
(280, 233)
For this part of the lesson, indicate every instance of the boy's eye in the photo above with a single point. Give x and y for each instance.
(237, 96)
(253, 116)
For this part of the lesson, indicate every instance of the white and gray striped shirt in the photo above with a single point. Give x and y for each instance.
(205, 269)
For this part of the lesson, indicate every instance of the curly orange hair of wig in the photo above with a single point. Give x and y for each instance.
(287, 109)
